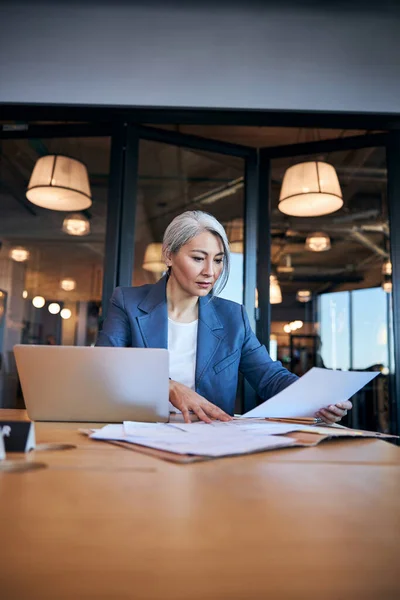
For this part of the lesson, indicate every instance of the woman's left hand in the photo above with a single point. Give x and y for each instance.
(334, 412)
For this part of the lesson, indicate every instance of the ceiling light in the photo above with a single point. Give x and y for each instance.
(287, 267)
(303, 295)
(54, 308)
(76, 224)
(234, 231)
(153, 260)
(287, 328)
(65, 313)
(68, 284)
(59, 183)
(387, 268)
(310, 189)
(38, 301)
(318, 242)
(25, 294)
(221, 192)
(297, 324)
(275, 294)
(19, 254)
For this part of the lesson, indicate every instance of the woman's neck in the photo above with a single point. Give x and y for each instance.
(181, 306)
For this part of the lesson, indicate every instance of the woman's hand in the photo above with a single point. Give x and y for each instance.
(187, 400)
(334, 412)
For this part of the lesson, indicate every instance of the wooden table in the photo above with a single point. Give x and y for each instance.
(108, 523)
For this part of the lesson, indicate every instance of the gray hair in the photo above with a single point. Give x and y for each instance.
(185, 227)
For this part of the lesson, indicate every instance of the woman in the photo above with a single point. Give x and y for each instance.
(209, 339)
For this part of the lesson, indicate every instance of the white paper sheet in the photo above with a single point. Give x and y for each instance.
(318, 388)
(210, 440)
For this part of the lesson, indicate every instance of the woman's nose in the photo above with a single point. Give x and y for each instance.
(208, 267)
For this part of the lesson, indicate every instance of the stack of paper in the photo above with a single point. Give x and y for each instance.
(200, 439)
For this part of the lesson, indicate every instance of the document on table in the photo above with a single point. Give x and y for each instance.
(318, 388)
(217, 439)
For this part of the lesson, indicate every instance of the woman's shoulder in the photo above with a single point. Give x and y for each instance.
(228, 307)
(131, 295)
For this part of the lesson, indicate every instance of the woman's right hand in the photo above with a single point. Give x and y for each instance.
(186, 399)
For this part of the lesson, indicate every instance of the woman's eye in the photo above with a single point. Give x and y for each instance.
(218, 261)
(197, 258)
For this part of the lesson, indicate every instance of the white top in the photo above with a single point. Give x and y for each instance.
(182, 346)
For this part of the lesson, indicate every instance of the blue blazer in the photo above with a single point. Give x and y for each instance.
(138, 317)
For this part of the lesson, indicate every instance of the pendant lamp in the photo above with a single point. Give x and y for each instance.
(310, 189)
(19, 254)
(68, 284)
(59, 183)
(76, 224)
(275, 294)
(234, 231)
(303, 295)
(318, 242)
(153, 260)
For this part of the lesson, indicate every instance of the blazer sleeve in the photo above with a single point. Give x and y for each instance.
(116, 330)
(266, 376)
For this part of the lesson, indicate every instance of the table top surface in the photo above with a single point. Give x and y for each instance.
(101, 521)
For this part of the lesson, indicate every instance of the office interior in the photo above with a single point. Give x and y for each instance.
(318, 289)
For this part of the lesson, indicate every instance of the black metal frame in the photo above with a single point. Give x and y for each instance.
(118, 122)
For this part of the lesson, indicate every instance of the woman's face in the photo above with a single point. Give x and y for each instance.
(198, 264)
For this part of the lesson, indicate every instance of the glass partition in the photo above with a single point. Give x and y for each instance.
(51, 261)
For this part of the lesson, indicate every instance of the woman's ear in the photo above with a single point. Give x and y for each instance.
(167, 259)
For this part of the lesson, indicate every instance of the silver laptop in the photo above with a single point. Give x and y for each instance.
(108, 385)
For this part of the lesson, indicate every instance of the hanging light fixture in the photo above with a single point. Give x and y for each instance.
(19, 254)
(68, 284)
(387, 268)
(310, 189)
(303, 295)
(318, 242)
(76, 224)
(387, 286)
(59, 183)
(54, 308)
(287, 267)
(38, 301)
(65, 313)
(234, 231)
(275, 294)
(153, 260)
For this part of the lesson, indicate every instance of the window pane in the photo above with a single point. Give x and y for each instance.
(335, 332)
(64, 272)
(174, 179)
(370, 329)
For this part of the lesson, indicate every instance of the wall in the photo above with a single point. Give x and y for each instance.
(252, 55)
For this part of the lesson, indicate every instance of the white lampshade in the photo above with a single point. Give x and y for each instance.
(318, 242)
(19, 254)
(275, 294)
(310, 189)
(38, 301)
(76, 224)
(65, 313)
(153, 258)
(387, 286)
(68, 284)
(59, 183)
(303, 295)
(387, 268)
(234, 231)
(54, 308)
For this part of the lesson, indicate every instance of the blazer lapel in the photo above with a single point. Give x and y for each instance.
(208, 337)
(153, 324)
